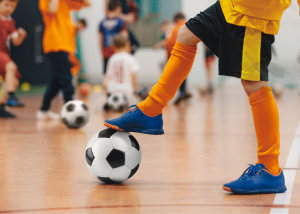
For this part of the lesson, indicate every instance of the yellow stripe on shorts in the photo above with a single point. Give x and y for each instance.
(251, 55)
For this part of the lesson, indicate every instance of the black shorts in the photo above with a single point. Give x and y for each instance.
(243, 52)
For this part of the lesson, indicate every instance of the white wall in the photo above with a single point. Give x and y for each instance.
(89, 39)
(287, 42)
(287, 45)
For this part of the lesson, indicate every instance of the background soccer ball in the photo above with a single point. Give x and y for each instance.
(84, 89)
(113, 156)
(117, 102)
(75, 114)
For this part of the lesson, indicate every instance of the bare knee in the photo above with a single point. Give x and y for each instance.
(11, 67)
(186, 37)
(253, 86)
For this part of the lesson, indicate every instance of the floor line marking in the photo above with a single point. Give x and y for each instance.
(290, 168)
(289, 174)
(285, 198)
(273, 206)
(298, 130)
(279, 211)
(293, 158)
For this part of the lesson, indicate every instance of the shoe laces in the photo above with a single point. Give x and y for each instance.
(131, 111)
(251, 171)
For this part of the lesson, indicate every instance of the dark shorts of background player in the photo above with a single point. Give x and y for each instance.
(243, 52)
(60, 78)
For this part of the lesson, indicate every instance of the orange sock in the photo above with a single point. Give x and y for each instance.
(176, 71)
(266, 122)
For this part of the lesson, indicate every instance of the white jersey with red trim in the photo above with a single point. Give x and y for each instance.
(120, 68)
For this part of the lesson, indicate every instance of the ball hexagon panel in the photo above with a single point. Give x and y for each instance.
(102, 147)
(101, 167)
(89, 156)
(115, 98)
(121, 141)
(91, 170)
(92, 140)
(106, 133)
(70, 107)
(133, 171)
(134, 142)
(116, 158)
(120, 174)
(79, 120)
(132, 158)
(107, 180)
(84, 106)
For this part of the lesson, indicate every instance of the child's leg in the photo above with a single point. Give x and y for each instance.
(52, 87)
(64, 76)
(12, 82)
(10, 76)
(266, 122)
(105, 62)
(3, 111)
(17, 82)
(208, 64)
(4, 97)
(182, 87)
(175, 72)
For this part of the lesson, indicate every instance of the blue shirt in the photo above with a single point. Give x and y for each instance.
(109, 27)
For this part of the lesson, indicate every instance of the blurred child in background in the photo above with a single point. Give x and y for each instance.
(58, 43)
(130, 14)
(179, 20)
(121, 70)
(8, 69)
(209, 61)
(80, 25)
(165, 28)
(109, 27)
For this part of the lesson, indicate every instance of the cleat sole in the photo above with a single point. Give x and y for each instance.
(113, 127)
(227, 189)
(261, 191)
(150, 132)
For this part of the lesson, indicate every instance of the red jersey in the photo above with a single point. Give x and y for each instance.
(7, 28)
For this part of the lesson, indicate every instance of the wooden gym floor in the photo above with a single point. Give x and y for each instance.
(209, 141)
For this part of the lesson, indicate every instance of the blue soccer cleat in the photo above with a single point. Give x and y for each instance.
(13, 101)
(136, 121)
(257, 180)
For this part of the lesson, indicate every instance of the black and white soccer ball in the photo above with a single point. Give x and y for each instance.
(75, 114)
(117, 101)
(113, 156)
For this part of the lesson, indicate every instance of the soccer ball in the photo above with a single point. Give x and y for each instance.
(75, 114)
(117, 102)
(84, 89)
(113, 156)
